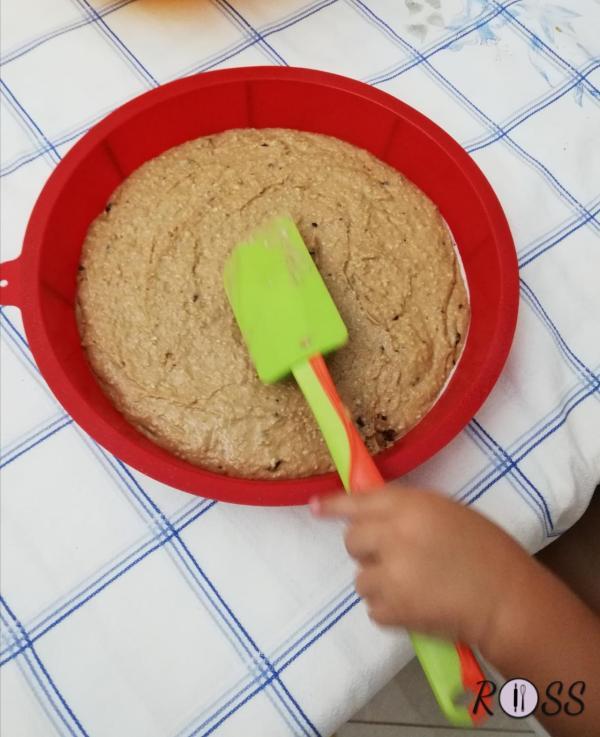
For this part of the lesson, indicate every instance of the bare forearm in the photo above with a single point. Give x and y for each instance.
(546, 634)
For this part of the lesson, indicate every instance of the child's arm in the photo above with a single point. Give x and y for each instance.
(434, 566)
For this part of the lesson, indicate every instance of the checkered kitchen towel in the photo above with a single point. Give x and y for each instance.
(132, 610)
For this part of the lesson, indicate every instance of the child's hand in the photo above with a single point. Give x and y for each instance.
(430, 564)
(433, 566)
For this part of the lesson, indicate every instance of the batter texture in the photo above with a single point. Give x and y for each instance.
(160, 334)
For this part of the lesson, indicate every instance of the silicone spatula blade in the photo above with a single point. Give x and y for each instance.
(281, 303)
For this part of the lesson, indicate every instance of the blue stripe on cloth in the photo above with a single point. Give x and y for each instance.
(549, 429)
(24, 158)
(242, 24)
(27, 155)
(225, 618)
(548, 50)
(166, 538)
(566, 400)
(488, 471)
(291, 19)
(469, 105)
(553, 420)
(514, 482)
(51, 615)
(317, 624)
(13, 455)
(504, 461)
(582, 373)
(46, 682)
(30, 125)
(226, 701)
(551, 423)
(26, 667)
(531, 110)
(473, 489)
(263, 32)
(328, 622)
(231, 620)
(18, 442)
(61, 139)
(575, 363)
(100, 23)
(33, 43)
(396, 70)
(18, 342)
(540, 246)
(91, 587)
(15, 639)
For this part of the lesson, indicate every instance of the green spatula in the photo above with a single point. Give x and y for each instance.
(289, 320)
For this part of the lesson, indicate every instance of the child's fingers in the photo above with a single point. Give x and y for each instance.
(381, 614)
(368, 584)
(350, 506)
(363, 540)
(373, 588)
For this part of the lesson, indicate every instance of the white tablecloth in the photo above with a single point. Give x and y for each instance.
(130, 609)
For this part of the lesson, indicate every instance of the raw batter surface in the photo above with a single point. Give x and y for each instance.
(161, 337)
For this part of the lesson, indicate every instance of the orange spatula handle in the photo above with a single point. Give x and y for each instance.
(363, 475)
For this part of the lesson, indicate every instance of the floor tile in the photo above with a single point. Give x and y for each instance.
(354, 729)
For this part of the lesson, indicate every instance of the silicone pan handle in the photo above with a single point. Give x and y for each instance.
(450, 668)
(10, 283)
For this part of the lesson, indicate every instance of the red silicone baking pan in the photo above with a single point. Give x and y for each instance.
(42, 281)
